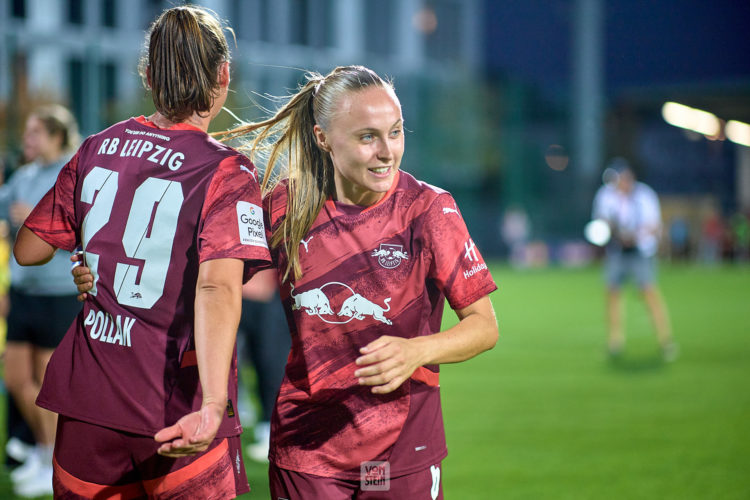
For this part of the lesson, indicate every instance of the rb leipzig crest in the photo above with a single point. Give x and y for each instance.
(390, 256)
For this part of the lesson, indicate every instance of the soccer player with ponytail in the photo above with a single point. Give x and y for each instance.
(145, 380)
(366, 256)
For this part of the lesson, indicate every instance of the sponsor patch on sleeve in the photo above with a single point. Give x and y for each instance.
(475, 260)
(250, 221)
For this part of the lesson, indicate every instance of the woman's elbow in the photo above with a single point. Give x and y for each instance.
(28, 260)
(30, 250)
(21, 261)
(491, 328)
(492, 336)
(24, 258)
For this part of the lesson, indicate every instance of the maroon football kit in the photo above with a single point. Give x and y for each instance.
(367, 272)
(147, 205)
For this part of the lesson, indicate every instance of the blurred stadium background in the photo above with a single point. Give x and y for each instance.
(516, 107)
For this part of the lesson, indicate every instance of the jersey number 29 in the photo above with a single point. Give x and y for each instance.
(148, 236)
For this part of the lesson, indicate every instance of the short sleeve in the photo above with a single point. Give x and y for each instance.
(651, 211)
(53, 218)
(274, 208)
(232, 223)
(605, 204)
(456, 265)
(597, 210)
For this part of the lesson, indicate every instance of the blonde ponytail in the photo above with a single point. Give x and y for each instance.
(287, 140)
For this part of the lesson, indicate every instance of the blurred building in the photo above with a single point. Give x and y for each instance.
(85, 53)
(506, 104)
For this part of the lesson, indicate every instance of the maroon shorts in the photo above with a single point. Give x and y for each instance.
(287, 485)
(91, 461)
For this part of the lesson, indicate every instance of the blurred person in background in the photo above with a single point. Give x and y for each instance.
(265, 345)
(679, 239)
(740, 227)
(632, 211)
(515, 230)
(170, 222)
(710, 246)
(42, 302)
(19, 438)
(5, 249)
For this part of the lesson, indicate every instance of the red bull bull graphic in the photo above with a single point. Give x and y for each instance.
(316, 302)
(358, 307)
(313, 302)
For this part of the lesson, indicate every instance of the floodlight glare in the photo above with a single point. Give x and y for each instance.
(689, 118)
(738, 132)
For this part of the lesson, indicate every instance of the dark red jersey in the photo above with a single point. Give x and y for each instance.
(367, 272)
(147, 205)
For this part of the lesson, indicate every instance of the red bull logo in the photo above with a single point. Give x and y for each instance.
(318, 302)
(389, 255)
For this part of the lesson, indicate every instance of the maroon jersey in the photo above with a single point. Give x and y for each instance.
(367, 272)
(147, 205)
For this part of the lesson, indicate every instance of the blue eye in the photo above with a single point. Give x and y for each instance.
(366, 137)
(396, 132)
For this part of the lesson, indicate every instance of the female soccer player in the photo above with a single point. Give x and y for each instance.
(366, 255)
(170, 223)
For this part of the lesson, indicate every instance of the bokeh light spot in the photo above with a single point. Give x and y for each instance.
(556, 157)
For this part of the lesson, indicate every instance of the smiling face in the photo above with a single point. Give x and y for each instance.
(365, 141)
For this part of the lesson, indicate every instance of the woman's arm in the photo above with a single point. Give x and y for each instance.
(388, 362)
(218, 302)
(30, 249)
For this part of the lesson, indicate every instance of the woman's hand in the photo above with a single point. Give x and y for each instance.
(192, 433)
(82, 277)
(388, 362)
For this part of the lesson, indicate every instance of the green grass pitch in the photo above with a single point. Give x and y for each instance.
(546, 416)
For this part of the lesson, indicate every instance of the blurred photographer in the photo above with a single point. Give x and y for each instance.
(632, 211)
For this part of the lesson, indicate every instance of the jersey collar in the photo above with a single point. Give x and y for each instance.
(177, 126)
(333, 206)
